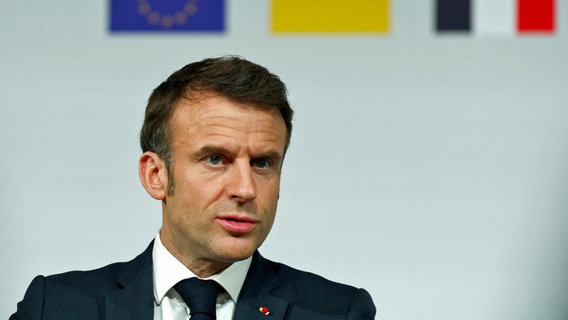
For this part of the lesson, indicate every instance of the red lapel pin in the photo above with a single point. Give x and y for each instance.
(264, 310)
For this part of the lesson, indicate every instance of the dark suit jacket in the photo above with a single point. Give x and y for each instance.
(124, 291)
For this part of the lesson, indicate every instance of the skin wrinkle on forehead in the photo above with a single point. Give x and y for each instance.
(195, 102)
(226, 125)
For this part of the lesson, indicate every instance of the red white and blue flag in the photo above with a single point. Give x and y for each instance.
(497, 17)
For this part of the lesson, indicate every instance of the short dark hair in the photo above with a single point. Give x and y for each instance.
(231, 77)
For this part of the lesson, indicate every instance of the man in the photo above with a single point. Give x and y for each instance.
(214, 138)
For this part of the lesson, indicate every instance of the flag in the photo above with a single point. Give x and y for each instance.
(453, 15)
(324, 16)
(495, 17)
(535, 16)
(167, 15)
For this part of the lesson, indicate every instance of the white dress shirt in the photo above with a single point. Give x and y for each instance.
(168, 305)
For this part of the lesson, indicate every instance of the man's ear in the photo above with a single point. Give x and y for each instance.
(153, 175)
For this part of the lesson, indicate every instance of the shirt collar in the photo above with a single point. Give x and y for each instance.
(168, 271)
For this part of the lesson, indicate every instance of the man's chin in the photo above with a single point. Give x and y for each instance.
(236, 253)
(232, 257)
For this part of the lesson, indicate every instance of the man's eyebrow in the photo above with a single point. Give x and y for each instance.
(272, 154)
(210, 150)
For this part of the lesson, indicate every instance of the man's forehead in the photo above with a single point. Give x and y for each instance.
(218, 116)
(211, 104)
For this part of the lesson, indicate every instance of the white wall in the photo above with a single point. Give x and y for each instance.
(430, 170)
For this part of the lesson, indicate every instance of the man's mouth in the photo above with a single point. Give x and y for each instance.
(237, 225)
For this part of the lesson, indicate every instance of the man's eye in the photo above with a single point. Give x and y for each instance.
(214, 160)
(262, 163)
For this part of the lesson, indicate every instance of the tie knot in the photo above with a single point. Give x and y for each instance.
(200, 296)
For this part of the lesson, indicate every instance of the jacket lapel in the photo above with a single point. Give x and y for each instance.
(257, 293)
(134, 299)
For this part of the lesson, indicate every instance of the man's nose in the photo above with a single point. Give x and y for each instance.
(242, 186)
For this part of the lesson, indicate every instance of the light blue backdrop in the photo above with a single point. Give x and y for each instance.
(433, 171)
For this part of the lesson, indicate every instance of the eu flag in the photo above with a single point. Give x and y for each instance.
(167, 15)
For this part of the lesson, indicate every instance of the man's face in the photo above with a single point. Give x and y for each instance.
(227, 164)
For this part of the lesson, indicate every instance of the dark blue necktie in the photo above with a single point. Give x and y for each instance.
(200, 296)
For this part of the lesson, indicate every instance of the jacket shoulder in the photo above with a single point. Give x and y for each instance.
(55, 296)
(109, 277)
(99, 279)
